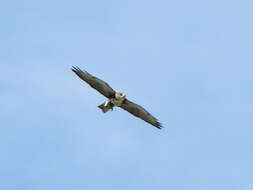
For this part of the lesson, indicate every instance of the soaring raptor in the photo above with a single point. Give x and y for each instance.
(117, 99)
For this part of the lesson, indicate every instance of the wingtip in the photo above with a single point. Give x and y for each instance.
(76, 69)
(159, 125)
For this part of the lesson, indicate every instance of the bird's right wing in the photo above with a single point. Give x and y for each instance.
(140, 112)
(94, 82)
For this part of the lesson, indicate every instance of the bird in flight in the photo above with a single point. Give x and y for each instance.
(115, 99)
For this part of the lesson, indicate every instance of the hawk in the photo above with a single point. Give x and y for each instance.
(115, 99)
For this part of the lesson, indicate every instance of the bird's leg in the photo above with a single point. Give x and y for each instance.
(106, 103)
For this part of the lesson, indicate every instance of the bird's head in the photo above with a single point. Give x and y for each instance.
(120, 95)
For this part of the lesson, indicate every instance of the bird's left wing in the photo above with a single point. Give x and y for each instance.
(140, 112)
(96, 83)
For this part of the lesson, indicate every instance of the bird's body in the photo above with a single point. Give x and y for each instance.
(116, 99)
(119, 99)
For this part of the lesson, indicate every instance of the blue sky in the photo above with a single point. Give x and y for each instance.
(188, 62)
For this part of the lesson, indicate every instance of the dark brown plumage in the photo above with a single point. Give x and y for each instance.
(115, 98)
(95, 82)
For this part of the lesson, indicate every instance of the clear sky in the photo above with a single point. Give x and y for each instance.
(190, 63)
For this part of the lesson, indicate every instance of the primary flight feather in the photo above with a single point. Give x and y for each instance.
(117, 99)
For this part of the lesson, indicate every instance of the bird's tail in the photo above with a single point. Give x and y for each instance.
(105, 107)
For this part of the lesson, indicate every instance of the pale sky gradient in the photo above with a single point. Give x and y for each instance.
(190, 63)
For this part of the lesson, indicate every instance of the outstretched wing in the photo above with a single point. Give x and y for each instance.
(140, 112)
(95, 82)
